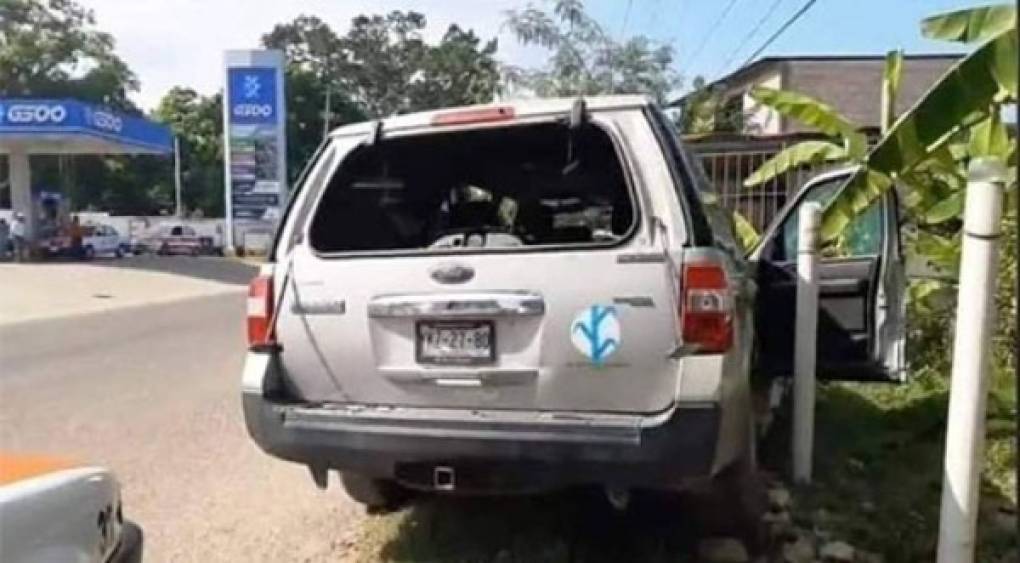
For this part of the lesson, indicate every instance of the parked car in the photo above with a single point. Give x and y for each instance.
(178, 239)
(97, 240)
(522, 297)
(53, 510)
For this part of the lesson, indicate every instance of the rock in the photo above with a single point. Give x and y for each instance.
(779, 498)
(779, 524)
(868, 557)
(1004, 521)
(800, 551)
(837, 551)
(722, 550)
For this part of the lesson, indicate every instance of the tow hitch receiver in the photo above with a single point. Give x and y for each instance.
(443, 478)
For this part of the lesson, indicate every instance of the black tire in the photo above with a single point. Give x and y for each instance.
(163, 250)
(375, 494)
(119, 253)
(88, 253)
(741, 490)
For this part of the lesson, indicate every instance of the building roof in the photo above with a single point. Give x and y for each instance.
(765, 62)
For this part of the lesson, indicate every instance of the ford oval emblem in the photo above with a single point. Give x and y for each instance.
(452, 273)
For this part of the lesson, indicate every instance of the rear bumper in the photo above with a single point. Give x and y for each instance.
(494, 449)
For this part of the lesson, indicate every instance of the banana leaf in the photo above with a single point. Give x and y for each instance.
(970, 25)
(815, 114)
(746, 233)
(794, 156)
(960, 99)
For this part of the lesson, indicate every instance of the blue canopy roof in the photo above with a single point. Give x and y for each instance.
(72, 127)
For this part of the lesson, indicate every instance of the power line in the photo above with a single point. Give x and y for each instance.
(750, 35)
(626, 18)
(782, 28)
(709, 32)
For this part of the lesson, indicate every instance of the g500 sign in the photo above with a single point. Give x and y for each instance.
(252, 95)
(33, 114)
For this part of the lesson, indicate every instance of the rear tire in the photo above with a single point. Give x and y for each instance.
(376, 494)
(88, 253)
(741, 489)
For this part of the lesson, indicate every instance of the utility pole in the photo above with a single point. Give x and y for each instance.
(968, 392)
(326, 115)
(179, 209)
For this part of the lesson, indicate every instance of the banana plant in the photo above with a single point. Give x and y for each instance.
(968, 98)
(847, 143)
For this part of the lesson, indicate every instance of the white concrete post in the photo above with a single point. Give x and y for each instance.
(21, 190)
(968, 393)
(805, 341)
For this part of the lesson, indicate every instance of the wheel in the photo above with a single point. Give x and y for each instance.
(741, 489)
(88, 253)
(375, 494)
(163, 249)
(195, 252)
(119, 253)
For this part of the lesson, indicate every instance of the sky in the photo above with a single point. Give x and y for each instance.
(181, 42)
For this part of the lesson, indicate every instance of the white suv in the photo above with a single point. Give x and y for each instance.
(531, 295)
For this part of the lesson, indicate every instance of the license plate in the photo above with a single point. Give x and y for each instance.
(462, 342)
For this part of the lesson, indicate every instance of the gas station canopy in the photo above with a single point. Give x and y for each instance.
(67, 127)
(36, 126)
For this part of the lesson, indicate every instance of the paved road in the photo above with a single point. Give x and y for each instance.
(153, 393)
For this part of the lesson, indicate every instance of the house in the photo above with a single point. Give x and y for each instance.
(736, 134)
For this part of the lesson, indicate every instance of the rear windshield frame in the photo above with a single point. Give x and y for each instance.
(606, 126)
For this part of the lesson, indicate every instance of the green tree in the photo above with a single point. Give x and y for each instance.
(48, 48)
(380, 67)
(197, 121)
(585, 59)
(383, 66)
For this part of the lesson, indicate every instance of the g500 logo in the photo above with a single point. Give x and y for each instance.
(36, 113)
(253, 110)
(105, 120)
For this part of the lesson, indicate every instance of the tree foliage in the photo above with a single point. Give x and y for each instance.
(585, 59)
(48, 48)
(384, 66)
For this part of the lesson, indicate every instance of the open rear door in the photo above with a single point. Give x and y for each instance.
(861, 320)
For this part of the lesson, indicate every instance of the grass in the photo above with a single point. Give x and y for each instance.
(879, 469)
(878, 486)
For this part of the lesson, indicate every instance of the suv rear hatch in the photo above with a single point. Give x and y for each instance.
(502, 265)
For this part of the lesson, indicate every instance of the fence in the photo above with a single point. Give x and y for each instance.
(729, 162)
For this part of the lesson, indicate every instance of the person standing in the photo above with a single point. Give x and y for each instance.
(5, 236)
(18, 237)
(77, 236)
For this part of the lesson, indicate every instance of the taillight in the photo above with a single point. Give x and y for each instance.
(260, 312)
(706, 309)
(478, 115)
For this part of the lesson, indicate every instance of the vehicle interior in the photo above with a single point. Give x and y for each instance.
(506, 187)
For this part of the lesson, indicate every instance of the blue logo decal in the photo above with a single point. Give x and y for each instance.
(595, 332)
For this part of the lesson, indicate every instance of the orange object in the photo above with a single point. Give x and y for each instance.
(15, 468)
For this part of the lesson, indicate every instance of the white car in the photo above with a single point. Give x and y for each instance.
(56, 511)
(97, 240)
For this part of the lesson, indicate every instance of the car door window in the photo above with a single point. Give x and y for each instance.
(861, 237)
